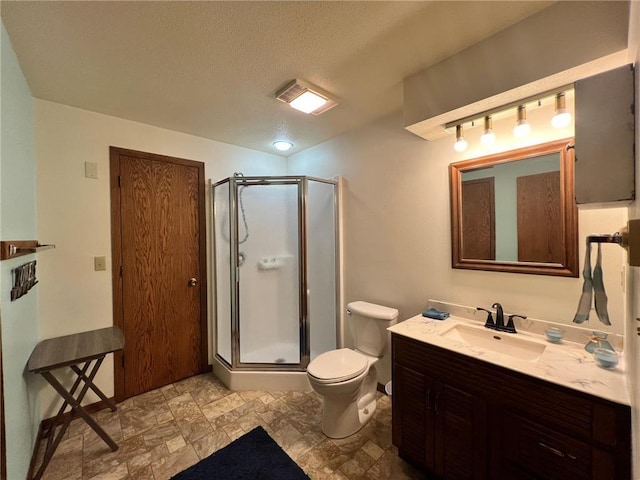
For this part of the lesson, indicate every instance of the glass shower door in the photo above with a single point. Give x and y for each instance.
(268, 274)
(222, 238)
(321, 238)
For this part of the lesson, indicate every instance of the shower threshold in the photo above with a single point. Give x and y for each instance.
(267, 380)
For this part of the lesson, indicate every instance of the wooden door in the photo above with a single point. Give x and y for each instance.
(478, 219)
(540, 225)
(159, 269)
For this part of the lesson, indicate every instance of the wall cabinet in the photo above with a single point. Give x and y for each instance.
(604, 136)
(461, 418)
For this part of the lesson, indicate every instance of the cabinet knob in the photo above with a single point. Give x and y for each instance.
(193, 282)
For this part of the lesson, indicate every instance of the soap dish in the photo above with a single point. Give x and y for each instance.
(554, 334)
(605, 358)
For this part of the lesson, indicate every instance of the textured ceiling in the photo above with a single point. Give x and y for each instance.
(211, 68)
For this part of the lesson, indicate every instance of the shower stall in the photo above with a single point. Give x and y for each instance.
(277, 288)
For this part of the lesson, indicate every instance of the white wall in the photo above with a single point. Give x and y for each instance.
(18, 222)
(74, 212)
(397, 224)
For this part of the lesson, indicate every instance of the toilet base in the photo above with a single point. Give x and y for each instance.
(344, 416)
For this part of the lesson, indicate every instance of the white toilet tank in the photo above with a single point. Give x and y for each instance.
(368, 323)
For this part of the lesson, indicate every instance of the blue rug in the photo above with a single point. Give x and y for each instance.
(254, 456)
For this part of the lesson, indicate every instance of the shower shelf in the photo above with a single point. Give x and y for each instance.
(273, 263)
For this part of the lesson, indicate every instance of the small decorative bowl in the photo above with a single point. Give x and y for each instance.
(554, 334)
(605, 358)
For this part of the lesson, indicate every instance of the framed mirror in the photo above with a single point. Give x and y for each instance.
(515, 211)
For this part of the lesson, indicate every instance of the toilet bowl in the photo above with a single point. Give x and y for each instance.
(347, 378)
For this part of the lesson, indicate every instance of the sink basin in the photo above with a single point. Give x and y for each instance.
(505, 343)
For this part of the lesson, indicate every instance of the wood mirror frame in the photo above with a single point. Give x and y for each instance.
(567, 251)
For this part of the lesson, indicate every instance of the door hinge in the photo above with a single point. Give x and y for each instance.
(119, 182)
(121, 270)
(122, 360)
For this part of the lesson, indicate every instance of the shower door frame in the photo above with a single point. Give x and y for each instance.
(302, 183)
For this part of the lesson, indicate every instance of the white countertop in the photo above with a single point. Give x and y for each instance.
(567, 364)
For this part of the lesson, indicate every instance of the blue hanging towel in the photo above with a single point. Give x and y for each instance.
(593, 285)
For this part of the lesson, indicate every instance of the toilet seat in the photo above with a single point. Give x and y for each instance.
(337, 366)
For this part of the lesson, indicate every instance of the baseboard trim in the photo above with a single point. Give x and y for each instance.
(44, 430)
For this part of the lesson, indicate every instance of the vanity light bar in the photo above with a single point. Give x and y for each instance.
(561, 117)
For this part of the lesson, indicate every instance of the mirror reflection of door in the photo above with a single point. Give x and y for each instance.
(478, 219)
(539, 218)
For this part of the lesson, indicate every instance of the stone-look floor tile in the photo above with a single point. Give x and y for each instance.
(144, 460)
(99, 459)
(183, 406)
(221, 406)
(250, 395)
(117, 473)
(392, 467)
(93, 441)
(145, 473)
(165, 417)
(233, 431)
(250, 421)
(66, 461)
(167, 467)
(266, 398)
(373, 450)
(175, 444)
(169, 392)
(357, 465)
(211, 443)
(286, 436)
(185, 386)
(194, 427)
(160, 434)
(134, 421)
(207, 393)
(304, 444)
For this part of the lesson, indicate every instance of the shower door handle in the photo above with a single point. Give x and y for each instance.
(193, 282)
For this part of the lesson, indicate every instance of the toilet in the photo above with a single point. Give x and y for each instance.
(347, 379)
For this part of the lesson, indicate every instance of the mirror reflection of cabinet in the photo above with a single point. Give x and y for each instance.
(515, 211)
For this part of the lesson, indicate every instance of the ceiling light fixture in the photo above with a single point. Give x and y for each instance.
(562, 117)
(305, 97)
(522, 128)
(461, 143)
(488, 137)
(283, 145)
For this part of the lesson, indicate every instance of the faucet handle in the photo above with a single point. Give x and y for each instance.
(489, 323)
(510, 325)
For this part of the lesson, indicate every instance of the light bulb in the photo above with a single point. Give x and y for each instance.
(562, 118)
(488, 137)
(522, 128)
(461, 143)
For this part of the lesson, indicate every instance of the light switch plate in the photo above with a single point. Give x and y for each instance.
(91, 170)
(99, 263)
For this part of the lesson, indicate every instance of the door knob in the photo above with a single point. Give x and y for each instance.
(193, 282)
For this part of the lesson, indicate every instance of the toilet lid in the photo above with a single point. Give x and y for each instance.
(337, 365)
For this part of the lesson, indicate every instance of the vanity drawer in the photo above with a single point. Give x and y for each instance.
(547, 454)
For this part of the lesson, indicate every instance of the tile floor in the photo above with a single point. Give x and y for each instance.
(162, 432)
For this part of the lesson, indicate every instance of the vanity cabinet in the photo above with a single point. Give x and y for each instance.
(461, 418)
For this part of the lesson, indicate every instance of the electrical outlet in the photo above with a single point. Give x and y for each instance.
(91, 170)
(99, 263)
